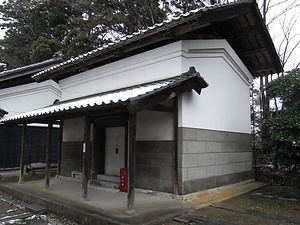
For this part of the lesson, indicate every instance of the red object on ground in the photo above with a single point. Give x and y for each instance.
(124, 179)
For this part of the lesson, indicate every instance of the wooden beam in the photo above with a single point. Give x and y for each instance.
(264, 68)
(243, 34)
(21, 174)
(163, 108)
(253, 52)
(85, 151)
(131, 163)
(48, 156)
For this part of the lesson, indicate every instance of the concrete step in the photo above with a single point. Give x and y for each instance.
(106, 183)
(108, 178)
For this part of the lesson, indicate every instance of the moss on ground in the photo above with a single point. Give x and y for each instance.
(265, 206)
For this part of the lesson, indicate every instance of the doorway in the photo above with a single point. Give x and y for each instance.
(109, 151)
(114, 158)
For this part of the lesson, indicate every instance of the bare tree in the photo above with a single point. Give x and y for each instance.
(281, 18)
(290, 40)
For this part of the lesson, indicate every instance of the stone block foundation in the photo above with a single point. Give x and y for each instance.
(209, 159)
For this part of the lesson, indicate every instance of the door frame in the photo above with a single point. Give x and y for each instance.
(99, 136)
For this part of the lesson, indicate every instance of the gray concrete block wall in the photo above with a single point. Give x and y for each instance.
(154, 165)
(71, 158)
(208, 158)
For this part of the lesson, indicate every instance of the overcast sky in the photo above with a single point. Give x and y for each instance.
(275, 29)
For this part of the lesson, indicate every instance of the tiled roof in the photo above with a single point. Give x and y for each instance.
(22, 75)
(32, 68)
(165, 24)
(122, 97)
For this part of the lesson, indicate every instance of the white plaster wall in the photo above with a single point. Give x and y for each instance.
(152, 125)
(152, 65)
(27, 97)
(224, 104)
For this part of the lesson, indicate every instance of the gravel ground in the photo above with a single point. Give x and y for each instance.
(13, 211)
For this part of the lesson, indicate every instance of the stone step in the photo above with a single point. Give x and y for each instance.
(36, 209)
(108, 178)
(106, 183)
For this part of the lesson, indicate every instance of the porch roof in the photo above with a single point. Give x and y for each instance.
(130, 99)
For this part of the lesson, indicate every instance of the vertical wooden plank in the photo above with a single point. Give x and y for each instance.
(126, 146)
(131, 162)
(48, 155)
(59, 148)
(85, 151)
(21, 174)
(175, 151)
(101, 149)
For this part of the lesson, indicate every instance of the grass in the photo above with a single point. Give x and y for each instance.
(281, 191)
(265, 206)
(271, 201)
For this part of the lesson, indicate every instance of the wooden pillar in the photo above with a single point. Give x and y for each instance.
(21, 175)
(131, 162)
(48, 156)
(59, 148)
(86, 153)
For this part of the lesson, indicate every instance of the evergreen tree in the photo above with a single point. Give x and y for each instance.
(34, 24)
(35, 29)
(284, 127)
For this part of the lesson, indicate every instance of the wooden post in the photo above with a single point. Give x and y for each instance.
(85, 151)
(48, 155)
(59, 148)
(131, 163)
(21, 175)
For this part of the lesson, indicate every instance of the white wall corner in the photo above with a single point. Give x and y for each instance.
(217, 49)
(29, 97)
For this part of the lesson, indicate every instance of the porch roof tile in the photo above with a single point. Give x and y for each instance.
(122, 97)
